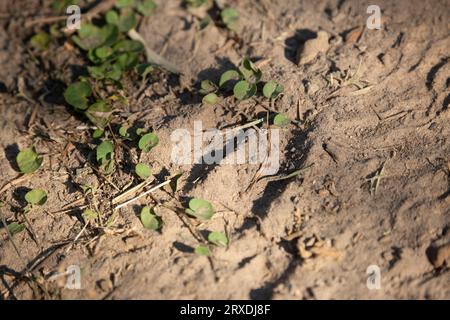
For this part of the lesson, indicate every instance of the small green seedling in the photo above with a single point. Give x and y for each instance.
(202, 250)
(36, 197)
(210, 98)
(230, 17)
(272, 89)
(89, 215)
(28, 160)
(143, 171)
(218, 238)
(208, 88)
(281, 120)
(99, 114)
(41, 41)
(105, 156)
(227, 76)
(244, 90)
(77, 95)
(146, 7)
(98, 133)
(15, 227)
(200, 208)
(149, 219)
(148, 142)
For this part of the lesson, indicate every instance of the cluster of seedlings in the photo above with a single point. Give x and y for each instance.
(112, 53)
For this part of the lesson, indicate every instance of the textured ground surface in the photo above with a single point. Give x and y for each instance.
(312, 236)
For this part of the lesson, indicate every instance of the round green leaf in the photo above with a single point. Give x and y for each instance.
(99, 114)
(230, 17)
(148, 141)
(36, 196)
(207, 86)
(146, 7)
(28, 160)
(228, 76)
(149, 219)
(143, 171)
(112, 17)
(243, 90)
(77, 94)
(210, 98)
(15, 227)
(281, 120)
(200, 208)
(105, 151)
(202, 251)
(218, 238)
(272, 89)
(98, 133)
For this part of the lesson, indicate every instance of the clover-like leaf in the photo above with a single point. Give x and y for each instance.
(218, 238)
(148, 142)
(149, 219)
(143, 171)
(90, 36)
(36, 196)
(146, 7)
(77, 94)
(210, 98)
(98, 133)
(28, 160)
(250, 72)
(15, 227)
(202, 251)
(272, 89)
(105, 151)
(243, 90)
(105, 156)
(200, 208)
(40, 41)
(281, 120)
(207, 86)
(112, 17)
(230, 18)
(229, 76)
(127, 20)
(99, 114)
(89, 215)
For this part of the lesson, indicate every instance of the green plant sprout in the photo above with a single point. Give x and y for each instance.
(149, 219)
(200, 208)
(244, 83)
(218, 238)
(230, 17)
(281, 120)
(105, 156)
(112, 54)
(143, 171)
(148, 141)
(202, 250)
(28, 160)
(15, 227)
(36, 197)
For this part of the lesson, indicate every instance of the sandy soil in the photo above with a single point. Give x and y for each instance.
(309, 237)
